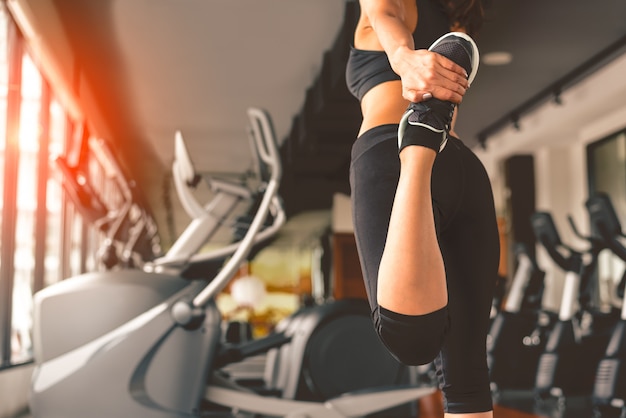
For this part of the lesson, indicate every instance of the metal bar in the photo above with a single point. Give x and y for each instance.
(264, 137)
(231, 267)
(43, 172)
(67, 211)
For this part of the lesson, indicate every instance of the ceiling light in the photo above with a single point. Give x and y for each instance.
(515, 122)
(497, 58)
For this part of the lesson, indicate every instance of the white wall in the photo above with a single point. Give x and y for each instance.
(557, 136)
(342, 214)
(14, 387)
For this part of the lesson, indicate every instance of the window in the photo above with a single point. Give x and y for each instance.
(607, 170)
(4, 88)
(24, 262)
(33, 127)
(10, 155)
(44, 237)
(607, 173)
(54, 198)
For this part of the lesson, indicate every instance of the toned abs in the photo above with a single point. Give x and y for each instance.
(384, 103)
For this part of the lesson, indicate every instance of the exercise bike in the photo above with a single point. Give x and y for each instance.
(148, 342)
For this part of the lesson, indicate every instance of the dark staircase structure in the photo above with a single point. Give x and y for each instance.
(316, 153)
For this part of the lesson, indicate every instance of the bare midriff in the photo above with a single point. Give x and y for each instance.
(383, 104)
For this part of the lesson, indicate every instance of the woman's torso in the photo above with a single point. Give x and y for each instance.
(369, 74)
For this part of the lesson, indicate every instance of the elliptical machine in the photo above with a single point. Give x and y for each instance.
(609, 391)
(519, 330)
(579, 336)
(130, 233)
(147, 343)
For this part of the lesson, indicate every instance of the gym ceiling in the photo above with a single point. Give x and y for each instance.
(141, 69)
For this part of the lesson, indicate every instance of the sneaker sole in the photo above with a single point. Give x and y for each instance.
(475, 53)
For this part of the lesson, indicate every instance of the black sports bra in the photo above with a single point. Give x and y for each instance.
(366, 69)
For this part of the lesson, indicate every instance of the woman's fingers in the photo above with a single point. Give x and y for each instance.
(442, 79)
(452, 72)
(451, 68)
(433, 75)
(441, 93)
(439, 87)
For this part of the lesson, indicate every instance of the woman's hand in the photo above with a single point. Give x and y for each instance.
(427, 74)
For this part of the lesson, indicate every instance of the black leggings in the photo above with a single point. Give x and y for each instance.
(455, 336)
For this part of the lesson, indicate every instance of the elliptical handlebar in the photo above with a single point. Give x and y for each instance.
(264, 138)
(577, 232)
(547, 234)
(266, 145)
(185, 177)
(605, 223)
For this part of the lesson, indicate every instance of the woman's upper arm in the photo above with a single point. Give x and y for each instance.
(374, 9)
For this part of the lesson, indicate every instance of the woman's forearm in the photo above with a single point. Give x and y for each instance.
(388, 20)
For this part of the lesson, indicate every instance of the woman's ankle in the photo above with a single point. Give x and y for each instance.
(417, 157)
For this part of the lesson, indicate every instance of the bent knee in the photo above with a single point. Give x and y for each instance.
(413, 339)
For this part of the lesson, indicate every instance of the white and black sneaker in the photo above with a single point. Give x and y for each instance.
(433, 114)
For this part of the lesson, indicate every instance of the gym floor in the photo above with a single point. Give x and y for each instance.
(508, 403)
(512, 404)
(519, 404)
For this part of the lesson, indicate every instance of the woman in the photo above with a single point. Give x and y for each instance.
(422, 202)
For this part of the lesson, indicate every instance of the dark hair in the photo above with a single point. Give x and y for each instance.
(467, 14)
